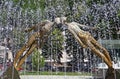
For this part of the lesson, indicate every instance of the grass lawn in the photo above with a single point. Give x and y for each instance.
(55, 73)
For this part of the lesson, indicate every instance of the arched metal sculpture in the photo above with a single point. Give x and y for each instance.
(84, 38)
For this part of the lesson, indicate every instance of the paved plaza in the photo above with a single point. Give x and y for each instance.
(54, 77)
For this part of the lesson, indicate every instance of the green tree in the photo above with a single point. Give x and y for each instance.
(53, 45)
(37, 59)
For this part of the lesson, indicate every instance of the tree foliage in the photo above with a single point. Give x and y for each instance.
(37, 59)
(53, 45)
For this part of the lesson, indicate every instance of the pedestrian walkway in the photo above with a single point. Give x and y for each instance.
(54, 77)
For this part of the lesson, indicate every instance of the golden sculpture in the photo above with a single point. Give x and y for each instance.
(44, 28)
(84, 38)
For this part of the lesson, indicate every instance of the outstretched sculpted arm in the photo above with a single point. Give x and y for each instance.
(84, 26)
(36, 27)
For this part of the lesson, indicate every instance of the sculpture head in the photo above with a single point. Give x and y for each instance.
(60, 20)
(47, 26)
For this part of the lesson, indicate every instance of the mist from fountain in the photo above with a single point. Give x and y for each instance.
(104, 15)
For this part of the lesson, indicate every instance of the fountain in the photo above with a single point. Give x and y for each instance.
(18, 15)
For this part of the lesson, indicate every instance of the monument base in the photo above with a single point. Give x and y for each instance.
(106, 74)
(10, 73)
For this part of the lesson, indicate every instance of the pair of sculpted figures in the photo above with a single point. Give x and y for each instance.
(84, 38)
